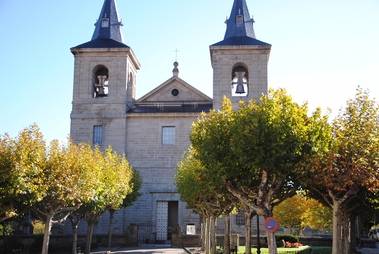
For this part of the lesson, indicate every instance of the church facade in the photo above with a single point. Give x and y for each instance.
(153, 131)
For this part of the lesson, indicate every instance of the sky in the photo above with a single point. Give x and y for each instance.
(322, 50)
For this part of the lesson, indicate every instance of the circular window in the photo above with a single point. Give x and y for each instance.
(175, 92)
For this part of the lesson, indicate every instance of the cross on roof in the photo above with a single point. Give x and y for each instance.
(176, 54)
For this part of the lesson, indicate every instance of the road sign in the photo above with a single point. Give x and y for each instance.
(272, 225)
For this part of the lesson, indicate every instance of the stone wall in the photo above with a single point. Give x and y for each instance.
(156, 164)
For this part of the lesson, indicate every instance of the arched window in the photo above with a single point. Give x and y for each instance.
(101, 81)
(240, 80)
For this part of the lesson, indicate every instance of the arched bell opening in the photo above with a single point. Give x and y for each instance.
(101, 81)
(240, 81)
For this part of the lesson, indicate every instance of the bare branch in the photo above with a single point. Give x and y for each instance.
(60, 221)
(262, 186)
(241, 196)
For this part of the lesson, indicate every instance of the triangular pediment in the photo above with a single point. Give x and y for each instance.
(166, 93)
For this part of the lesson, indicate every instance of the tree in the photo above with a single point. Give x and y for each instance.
(90, 159)
(29, 161)
(290, 213)
(374, 200)
(69, 182)
(374, 207)
(316, 215)
(49, 180)
(299, 212)
(115, 184)
(135, 185)
(7, 184)
(20, 160)
(191, 188)
(340, 175)
(205, 194)
(211, 138)
(256, 149)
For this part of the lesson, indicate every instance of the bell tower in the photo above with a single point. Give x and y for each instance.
(240, 60)
(104, 83)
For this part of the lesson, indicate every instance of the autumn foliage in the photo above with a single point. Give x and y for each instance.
(346, 172)
(300, 212)
(54, 180)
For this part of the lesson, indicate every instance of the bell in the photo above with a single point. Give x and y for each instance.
(100, 87)
(240, 89)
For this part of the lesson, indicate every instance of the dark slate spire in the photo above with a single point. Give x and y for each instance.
(240, 27)
(108, 26)
(240, 22)
(108, 29)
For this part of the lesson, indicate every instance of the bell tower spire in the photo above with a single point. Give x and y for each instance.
(105, 74)
(240, 23)
(108, 26)
(239, 61)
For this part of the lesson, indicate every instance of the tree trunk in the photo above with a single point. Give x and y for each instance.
(248, 216)
(348, 233)
(206, 238)
(75, 225)
(353, 233)
(212, 235)
(227, 234)
(46, 234)
(271, 241)
(110, 228)
(336, 228)
(203, 233)
(90, 230)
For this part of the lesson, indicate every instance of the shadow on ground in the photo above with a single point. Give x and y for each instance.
(144, 251)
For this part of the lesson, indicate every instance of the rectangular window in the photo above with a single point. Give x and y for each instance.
(168, 135)
(97, 135)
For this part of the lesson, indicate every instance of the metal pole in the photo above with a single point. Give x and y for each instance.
(258, 237)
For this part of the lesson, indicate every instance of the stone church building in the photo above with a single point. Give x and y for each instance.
(153, 131)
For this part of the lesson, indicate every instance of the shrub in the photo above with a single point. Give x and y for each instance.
(303, 250)
(6, 229)
(286, 238)
(38, 227)
(293, 245)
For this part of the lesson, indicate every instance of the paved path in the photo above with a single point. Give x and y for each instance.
(369, 251)
(147, 251)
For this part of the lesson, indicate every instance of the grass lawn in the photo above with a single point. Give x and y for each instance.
(302, 250)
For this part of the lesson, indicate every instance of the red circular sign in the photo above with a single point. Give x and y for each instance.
(272, 225)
